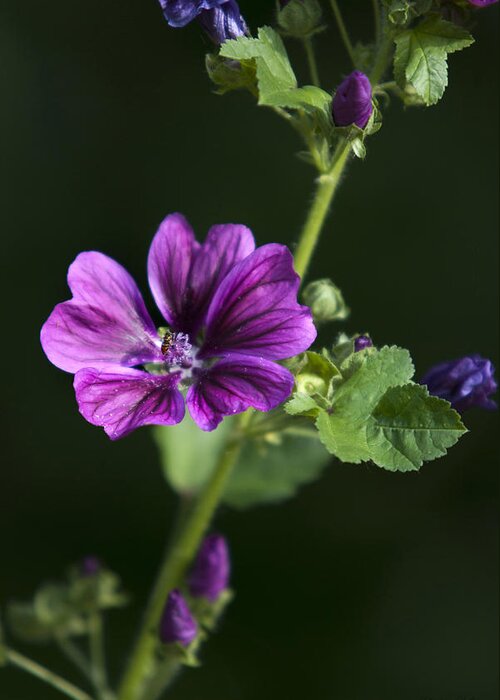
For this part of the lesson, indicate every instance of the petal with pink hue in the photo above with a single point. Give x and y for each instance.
(125, 400)
(169, 263)
(224, 246)
(255, 309)
(105, 323)
(234, 384)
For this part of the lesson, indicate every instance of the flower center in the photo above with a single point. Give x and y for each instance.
(176, 349)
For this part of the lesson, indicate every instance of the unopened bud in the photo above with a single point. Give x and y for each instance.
(352, 103)
(177, 624)
(325, 301)
(210, 574)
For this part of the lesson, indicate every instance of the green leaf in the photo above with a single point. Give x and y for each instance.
(367, 376)
(409, 427)
(188, 454)
(271, 473)
(274, 72)
(301, 404)
(421, 56)
(309, 98)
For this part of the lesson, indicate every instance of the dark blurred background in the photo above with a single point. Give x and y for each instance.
(369, 585)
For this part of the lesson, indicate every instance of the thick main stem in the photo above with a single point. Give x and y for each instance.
(49, 677)
(173, 569)
(327, 184)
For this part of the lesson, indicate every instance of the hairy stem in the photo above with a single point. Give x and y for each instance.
(311, 60)
(343, 31)
(49, 677)
(326, 187)
(173, 569)
(376, 19)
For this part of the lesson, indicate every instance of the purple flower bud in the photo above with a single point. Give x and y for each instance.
(177, 624)
(482, 3)
(362, 342)
(178, 13)
(210, 574)
(90, 566)
(352, 103)
(223, 22)
(465, 383)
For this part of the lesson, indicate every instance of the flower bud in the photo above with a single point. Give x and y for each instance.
(210, 574)
(482, 3)
(90, 566)
(465, 383)
(223, 22)
(325, 301)
(300, 18)
(177, 624)
(352, 103)
(362, 342)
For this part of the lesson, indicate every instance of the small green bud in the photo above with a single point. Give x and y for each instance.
(311, 384)
(325, 301)
(300, 18)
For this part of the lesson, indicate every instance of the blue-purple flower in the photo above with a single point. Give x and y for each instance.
(352, 102)
(210, 573)
(232, 312)
(177, 625)
(465, 383)
(482, 3)
(221, 19)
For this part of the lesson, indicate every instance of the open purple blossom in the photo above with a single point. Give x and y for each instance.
(465, 383)
(177, 625)
(210, 573)
(482, 3)
(352, 102)
(232, 312)
(221, 19)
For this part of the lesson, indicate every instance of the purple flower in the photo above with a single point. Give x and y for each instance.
(482, 3)
(362, 342)
(90, 566)
(232, 311)
(223, 22)
(210, 574)
(221, 19)
(177, 624)
(352, 103)
(465, 383)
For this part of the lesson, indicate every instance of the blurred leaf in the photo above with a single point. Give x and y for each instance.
(189, 454)
(409, 427)
(301, 404)
(421, 56)
(272, 473)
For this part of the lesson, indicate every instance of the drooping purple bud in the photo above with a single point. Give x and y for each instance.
(482, 3)
(178, 13)
(362, 342)
(210, 574)
(90, 566)
(465, 383)
(352, 103)
(223, 22)
(177, 624)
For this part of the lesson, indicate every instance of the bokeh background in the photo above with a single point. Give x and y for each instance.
(369, 585)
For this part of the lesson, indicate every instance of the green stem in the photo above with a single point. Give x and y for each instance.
(173, 569)
(98, 657)
(49, 677)
(383, 57)
(343, 31)
(311, 60)
(327, 184)
(75, 655)
(376, 19)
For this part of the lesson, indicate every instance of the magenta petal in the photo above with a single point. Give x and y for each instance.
(224, 246)
(255, 309)
(169, 263)
(125, 400)
(234, 384)
(105, 323)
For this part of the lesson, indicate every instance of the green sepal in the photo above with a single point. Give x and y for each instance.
(421, 54)
(227, 74)
(356, 136)
(300, 19)
(402, 12)
(102, 591)
(207, 613)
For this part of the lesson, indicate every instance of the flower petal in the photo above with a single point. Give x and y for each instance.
(178, 13)
(121, 401)
(169, 263)
(105, 323)
(224, 246)
(255, 309)
(234, 384)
